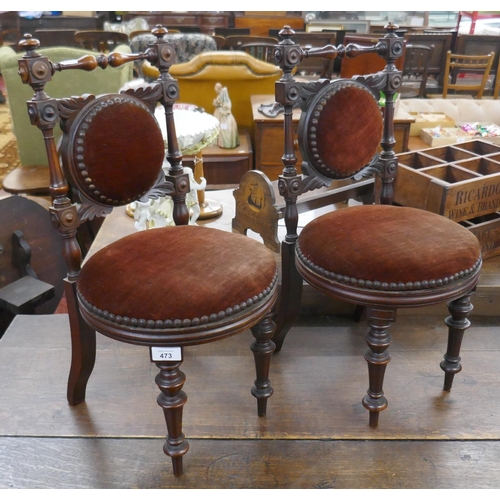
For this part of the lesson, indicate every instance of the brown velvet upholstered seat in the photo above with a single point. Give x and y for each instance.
(377, 256)
(363, 250)
(165, 288)
(203, 290)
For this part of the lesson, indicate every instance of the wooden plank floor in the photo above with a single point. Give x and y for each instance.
(315, 435)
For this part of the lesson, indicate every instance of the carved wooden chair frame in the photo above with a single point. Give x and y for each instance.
(78, 200)
(373, 285)
(292, 184)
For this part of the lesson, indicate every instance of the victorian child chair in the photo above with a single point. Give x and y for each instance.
(379, 256)
(144, 289)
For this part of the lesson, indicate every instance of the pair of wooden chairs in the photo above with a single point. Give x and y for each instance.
(379, 256)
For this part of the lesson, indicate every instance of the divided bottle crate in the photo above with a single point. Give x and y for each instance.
(461, 182)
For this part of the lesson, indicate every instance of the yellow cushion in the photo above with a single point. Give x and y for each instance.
(242, 74)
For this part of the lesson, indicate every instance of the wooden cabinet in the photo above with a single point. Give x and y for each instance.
(402, 134)
(62, 22)
(181, 19)
(260, 25)
(268, 137)
(206, 21)
(223, 168)
(209, 21)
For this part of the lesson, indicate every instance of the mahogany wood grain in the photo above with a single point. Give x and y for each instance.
(260, 25)
(30, 180)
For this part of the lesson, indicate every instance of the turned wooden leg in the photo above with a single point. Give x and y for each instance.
(263, 349)
(457, 324)
(377, 357)
(172, 399)
(83, 348)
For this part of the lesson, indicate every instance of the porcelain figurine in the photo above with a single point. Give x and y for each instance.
(228, 135)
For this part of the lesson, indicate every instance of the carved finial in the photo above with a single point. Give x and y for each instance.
(391, 27)
(286, 33)
(29, 43)
(158, 31)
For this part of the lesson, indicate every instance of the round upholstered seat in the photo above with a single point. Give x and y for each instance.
(177, 285)
(404, 253)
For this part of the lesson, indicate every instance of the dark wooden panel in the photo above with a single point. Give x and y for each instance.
(19, 213)
(480, 45)
(62, 22)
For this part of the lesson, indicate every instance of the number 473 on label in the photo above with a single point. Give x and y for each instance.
(166, 354)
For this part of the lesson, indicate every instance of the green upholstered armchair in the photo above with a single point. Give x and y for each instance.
(30, 145)
(187, 45)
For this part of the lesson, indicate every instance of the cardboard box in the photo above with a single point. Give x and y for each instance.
(439, 136)
(429, 120)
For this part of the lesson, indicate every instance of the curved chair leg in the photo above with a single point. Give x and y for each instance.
(457, 324)
(290, 294)
(263, 349)
(83, 348)
(377, 357)
(172, 399)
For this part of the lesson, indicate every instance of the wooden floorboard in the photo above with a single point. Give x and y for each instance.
(316, 432)
(139, 463)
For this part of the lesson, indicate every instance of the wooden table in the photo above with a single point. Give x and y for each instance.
(118, 224)
(268, 137)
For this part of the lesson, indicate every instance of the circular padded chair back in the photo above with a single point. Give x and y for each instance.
(340, 132)
(114, 149)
